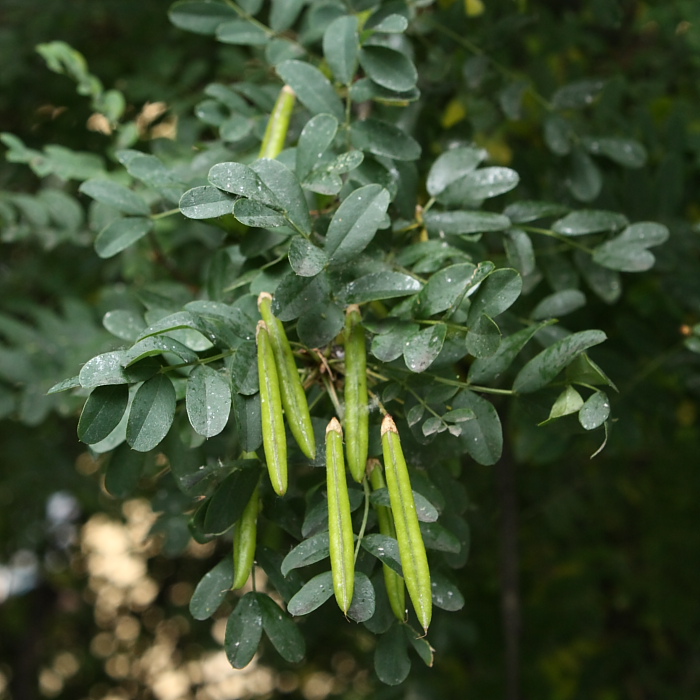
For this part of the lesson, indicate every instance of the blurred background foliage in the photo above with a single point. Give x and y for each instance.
(609, 547)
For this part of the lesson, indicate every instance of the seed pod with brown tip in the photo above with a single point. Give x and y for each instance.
(274, 438)
(296, 408)
(411, 546)
(356, 404)
(339, 518)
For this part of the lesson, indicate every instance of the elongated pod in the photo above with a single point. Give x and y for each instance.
(244, 539)
(278, 124)
(356, 405)
(339, 518)
(411, 546)
(296, 408)
(395, 587)
(274, 439)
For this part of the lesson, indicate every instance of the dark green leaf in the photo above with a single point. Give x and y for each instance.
(498, 292)
(212, 589)
(208, 400)
(451, 166)
(355, 222)
(281, 630)
(604, 282)
(341, 46)
(244, 631)
(270, 560)
(568, 402)
(104, 369)
(464, 222)
(243, 367)
(483, 337)
(543, 368)
(287, 191)
(389, 68)
(445, 594)
(525, 211)
(438, 538)
(284, 13)
(313, 595)
(230, 499)
(389, 346)
(205, 203)
(200, 16)
(124, 324)
(157, 345)
(424, 347)
(309, 551)
(120, 234)
(312, 88)
(124, 471)
(445, 288)
(420, 644)
(242, 180)
(102, 412)
(314, 140)
(248, 421)
(425, 510)
(381, 285)
(580, 223)
(595, 411)
(116, 196)
(385, 548)
(257, 215)
(384, 139)
(559, 134)
(320, 324)
(295, 295)
(483, 437)
(520, 251)
(152, 412)
(363, 600)
(559, 304)
(577, 95)
(585, 180)
(242, 32)
(391, 661)
(306, 259)
(626, 152)
(478, 185)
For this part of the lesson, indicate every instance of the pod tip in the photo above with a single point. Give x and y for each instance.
(388, 425)
(334, 426)
(263, 296)
(261, 325)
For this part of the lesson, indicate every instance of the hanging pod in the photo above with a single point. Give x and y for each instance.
(395, 587)
(339, 518)
(356, 405)
(296, 408)
(274, 439)
(414, 560)
(244, 540)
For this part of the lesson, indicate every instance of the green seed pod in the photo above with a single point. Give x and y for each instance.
(274, 438)
(244, 538)
(411, 546)
(395, 588)
(356, 404)
(296, 408)
(339, 518)
(278, 124)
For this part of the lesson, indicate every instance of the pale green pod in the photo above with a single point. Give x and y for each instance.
(296, 408)
(274, 438)
(395, 588)
(339, 518)
(278, 124)
(356, 403)
(414, 559)
(244, 540)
